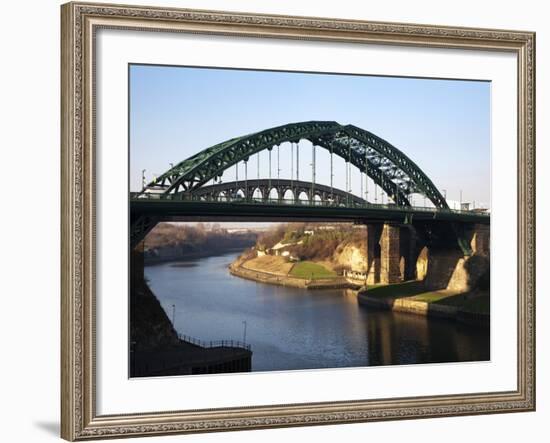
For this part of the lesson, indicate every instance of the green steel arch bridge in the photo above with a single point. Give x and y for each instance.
(193, 187)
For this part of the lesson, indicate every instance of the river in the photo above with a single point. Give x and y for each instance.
(290, 328)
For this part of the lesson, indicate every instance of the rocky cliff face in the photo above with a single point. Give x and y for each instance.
(470, 273)
(422, 264)
(150, 327)
(353, 257)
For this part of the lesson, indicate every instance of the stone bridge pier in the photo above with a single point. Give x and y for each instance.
(391, 253)
(396, 253)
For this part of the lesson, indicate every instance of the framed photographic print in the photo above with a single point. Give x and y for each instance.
(282, 221)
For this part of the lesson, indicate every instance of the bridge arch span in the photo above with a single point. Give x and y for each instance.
(386, 165)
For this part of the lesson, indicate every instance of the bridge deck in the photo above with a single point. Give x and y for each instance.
(168, 209)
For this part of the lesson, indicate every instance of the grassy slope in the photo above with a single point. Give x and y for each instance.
(269, 263)
(310, 270)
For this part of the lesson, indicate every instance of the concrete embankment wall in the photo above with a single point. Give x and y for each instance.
(285, 280)
(407, 305)
(424, 308)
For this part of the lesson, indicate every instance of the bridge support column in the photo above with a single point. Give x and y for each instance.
(481, 239)
(410, 250)
(373, 253)
(390, 256)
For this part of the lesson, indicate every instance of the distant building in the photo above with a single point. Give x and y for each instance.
(481, 210)
(467, 206)
(454, 205)
(354, 275)
(458, 206)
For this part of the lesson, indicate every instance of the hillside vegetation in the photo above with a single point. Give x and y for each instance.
(312, 251)
(172, 241)
(314, 241)
(193, 236)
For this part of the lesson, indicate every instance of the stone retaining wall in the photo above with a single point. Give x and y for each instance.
(424, 308)
(408, 305)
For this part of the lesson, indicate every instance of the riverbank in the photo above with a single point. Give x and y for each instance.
(411, 297)
(287, 280)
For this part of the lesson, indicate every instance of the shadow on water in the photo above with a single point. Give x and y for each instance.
(292, 328)
(399, 338)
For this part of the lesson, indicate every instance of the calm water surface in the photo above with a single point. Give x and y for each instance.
(290, 328)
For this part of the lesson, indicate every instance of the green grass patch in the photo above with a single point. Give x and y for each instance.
(479, 304)
(415, 290)
(432, 297)
(310, 270)
(396, 290)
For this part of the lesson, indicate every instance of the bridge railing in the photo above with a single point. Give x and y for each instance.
(300, 202)
(214, 343)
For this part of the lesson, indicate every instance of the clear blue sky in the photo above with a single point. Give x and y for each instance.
(442, 125)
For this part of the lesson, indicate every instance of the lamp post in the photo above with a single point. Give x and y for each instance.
(143, 183)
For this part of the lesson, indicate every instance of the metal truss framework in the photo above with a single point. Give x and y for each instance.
(247, 189)
(386, 165)
(140, 226)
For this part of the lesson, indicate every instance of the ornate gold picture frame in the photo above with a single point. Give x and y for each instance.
(80, 22)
